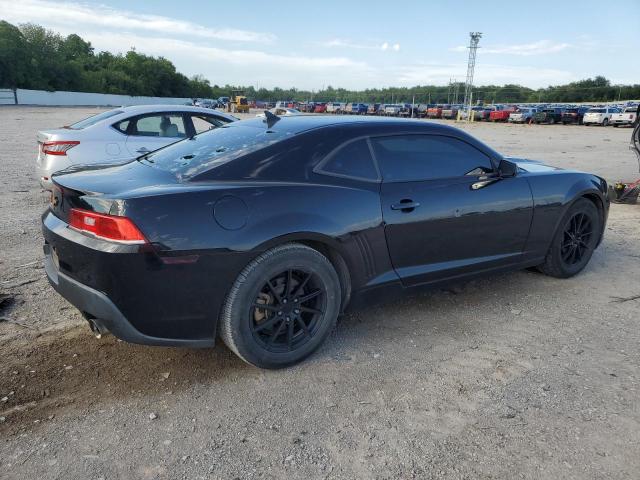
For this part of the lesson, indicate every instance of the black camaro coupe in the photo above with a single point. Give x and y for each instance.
(263, 231)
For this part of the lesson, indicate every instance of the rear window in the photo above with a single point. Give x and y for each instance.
(87, 122)
(206, 151)
(596, 110)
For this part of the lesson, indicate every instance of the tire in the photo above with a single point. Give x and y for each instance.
(605, 122)
(561, 261)
(615, 125)
(289, 328)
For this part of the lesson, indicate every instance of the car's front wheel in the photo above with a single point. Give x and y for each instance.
(281, 307)
(574, 241)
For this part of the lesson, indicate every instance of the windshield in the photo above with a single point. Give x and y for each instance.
(596, 110)
(87, 122)
(200, 153)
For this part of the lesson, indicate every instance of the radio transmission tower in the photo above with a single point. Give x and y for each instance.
(473, 48)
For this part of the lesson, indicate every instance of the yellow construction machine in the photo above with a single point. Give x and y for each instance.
(238, 103)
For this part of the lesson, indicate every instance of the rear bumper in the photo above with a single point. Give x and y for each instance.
(97, 306)
(132, 295)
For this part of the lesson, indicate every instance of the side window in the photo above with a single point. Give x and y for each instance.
(352, 160)
(122, 126)
(203, 123)
(158, 125)
(406, 158)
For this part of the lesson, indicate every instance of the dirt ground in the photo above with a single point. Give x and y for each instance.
(513, 376)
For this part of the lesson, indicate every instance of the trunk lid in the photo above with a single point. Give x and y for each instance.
(100, 187)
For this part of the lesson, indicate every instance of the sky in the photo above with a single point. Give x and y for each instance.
(359, 44)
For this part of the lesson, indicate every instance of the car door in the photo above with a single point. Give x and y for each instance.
(446, 211)
(149, 132)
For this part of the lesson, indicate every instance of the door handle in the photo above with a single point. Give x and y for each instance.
(143, 150)
(405, 205)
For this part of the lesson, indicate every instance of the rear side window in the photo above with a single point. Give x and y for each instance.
(156, 125)
(406, 158)
(351, 160)
(202, 123)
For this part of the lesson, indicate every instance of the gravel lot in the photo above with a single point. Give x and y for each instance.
(513, 376)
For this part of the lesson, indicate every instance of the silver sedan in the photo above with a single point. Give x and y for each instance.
(119, 135)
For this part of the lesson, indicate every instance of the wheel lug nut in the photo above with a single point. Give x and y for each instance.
(279, 313)
(288, 319)
(296, 311)
(284, 300)
(295, 300)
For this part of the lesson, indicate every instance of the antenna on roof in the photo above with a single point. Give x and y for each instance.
(270, 118)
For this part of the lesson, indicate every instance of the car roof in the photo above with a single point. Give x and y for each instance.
(300, 123)
(139, 109)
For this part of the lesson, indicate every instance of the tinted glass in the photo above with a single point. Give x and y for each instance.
(122, 126)
(353, 160)
(203, 123)
(87, 122)
(216, 147)
(427, 157)
(596, 110)
(158, 126)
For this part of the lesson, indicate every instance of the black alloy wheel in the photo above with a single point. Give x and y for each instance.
(574, 241)
(281, 307)
(286, 311)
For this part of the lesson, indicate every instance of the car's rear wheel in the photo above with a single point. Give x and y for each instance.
(282, 306)
(574, 241)
(605, 122)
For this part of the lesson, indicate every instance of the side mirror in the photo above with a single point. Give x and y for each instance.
(507, 169)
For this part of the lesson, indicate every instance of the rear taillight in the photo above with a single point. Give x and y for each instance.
(59, 147)
(108, 227)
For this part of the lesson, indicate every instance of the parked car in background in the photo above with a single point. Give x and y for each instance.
(335, 107)
(421, 110)
(263, 234)
(573, 115)
(599, 115)
(320, 107)
(481, 113)
(626, 117)
(373, 108)
(405, 110)
(434, 111)
(522, 115)
(350, 108)
(281, 112)
(450, 112)
(392, 109)
(548, 115)
(222, 101)
(501, 114)
(120, 135)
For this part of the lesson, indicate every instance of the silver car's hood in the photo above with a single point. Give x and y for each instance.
(531, 165)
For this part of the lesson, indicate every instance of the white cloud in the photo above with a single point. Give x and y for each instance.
(71, 14)
(541, 47)
(339, 42)
(485, 74)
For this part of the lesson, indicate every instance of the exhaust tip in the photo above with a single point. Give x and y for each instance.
(96, 328)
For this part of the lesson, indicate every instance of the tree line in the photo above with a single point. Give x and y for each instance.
(33, 57)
